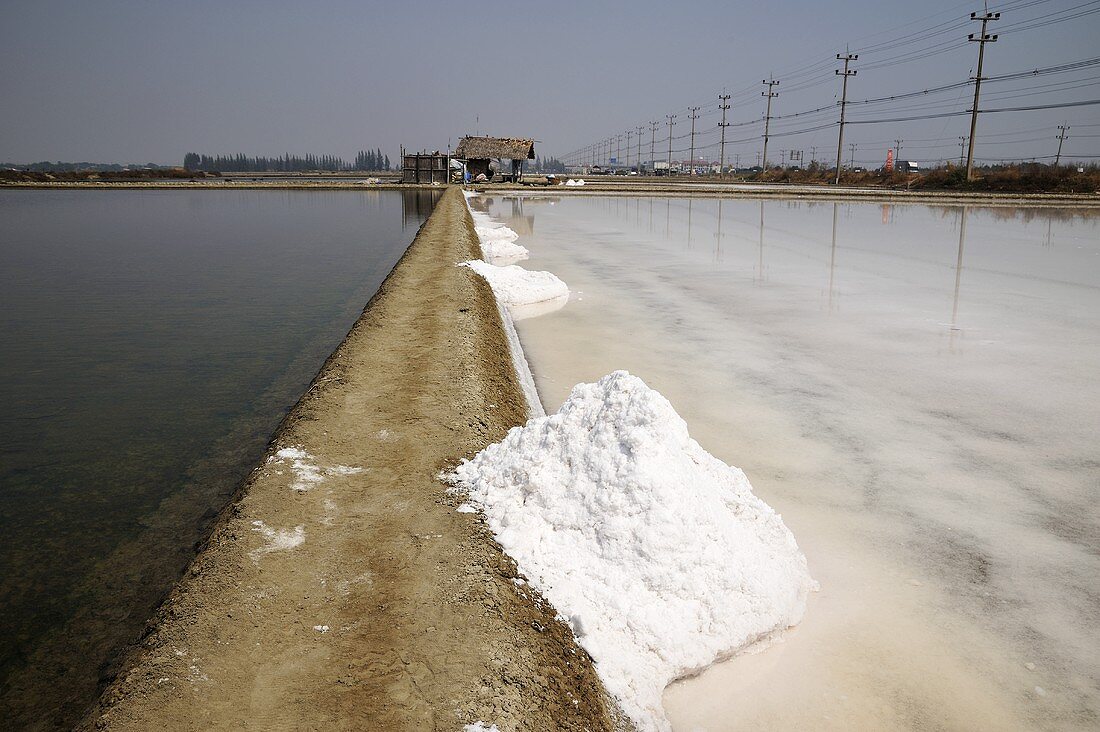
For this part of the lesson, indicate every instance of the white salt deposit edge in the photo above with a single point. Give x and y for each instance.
(498, 232)
(514, 285)
(657, 553)
(501, 252)
(519, 363)
(519, 360)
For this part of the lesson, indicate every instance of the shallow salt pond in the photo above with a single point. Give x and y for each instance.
(151, 342)
(914, 388)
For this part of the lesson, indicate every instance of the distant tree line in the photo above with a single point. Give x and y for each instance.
(62, 167)
(543, 165)
(364, 160)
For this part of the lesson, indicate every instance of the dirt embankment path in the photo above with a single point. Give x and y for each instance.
(366, 601)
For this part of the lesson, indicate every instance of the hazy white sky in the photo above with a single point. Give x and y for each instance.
(148, 80)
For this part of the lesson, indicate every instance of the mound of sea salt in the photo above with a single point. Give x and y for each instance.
(503, 252)
(516, 286)
(657, 553)
(499, 232)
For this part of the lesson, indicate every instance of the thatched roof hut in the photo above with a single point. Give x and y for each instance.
(503, 148)
(478, 151)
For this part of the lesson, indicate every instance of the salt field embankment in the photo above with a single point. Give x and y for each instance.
(344, 590)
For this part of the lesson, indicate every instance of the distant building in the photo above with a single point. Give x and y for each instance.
(480, 152)
(908, 166)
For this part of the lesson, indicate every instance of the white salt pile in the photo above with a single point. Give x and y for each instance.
(518, 292)
(494, 232)
(503, 252)
(497, 240)
(657, 553)
(514, 285)
(578, 182)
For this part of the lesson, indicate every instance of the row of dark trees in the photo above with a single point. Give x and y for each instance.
(364, 160)
(543, 165)
(46, 166)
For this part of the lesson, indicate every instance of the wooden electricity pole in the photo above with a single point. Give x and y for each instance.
(847, 58)
(671, 123)
(981, 39)
(723, 104)
(691, 160)
(768, 116)
(652, 141)
(1062, 129)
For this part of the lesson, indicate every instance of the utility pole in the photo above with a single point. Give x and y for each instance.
(768, 114)
(671, 122)
(639, 161)
(813, 154)
(852, 162)
(629, 134)
(691, 160)
(962, 149)
(981, 39)
(652, 140)
(618, 148)
(897, 152)
(723, 104)
(1062, 129)
(847, 58)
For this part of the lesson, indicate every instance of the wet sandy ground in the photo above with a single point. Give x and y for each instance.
(343, 590)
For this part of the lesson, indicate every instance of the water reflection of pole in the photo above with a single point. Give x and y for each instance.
(958, 274)
(1049, 219)
(718, 239)
(832, 257)
(651, 216)
(690, 201)
(668, 214)
(761, 264)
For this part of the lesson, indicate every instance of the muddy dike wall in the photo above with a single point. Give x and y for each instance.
(342, 590)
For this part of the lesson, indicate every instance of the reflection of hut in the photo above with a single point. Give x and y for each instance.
(479, 151)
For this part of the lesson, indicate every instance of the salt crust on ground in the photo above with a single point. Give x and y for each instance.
(307, 474)
(657, 553)
(277, 540)
(513, 285)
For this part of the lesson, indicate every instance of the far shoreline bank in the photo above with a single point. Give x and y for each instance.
(669, 189)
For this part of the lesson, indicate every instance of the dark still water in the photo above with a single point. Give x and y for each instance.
(150, 343)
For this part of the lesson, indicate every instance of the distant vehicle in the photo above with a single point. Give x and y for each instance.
(907, 166)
